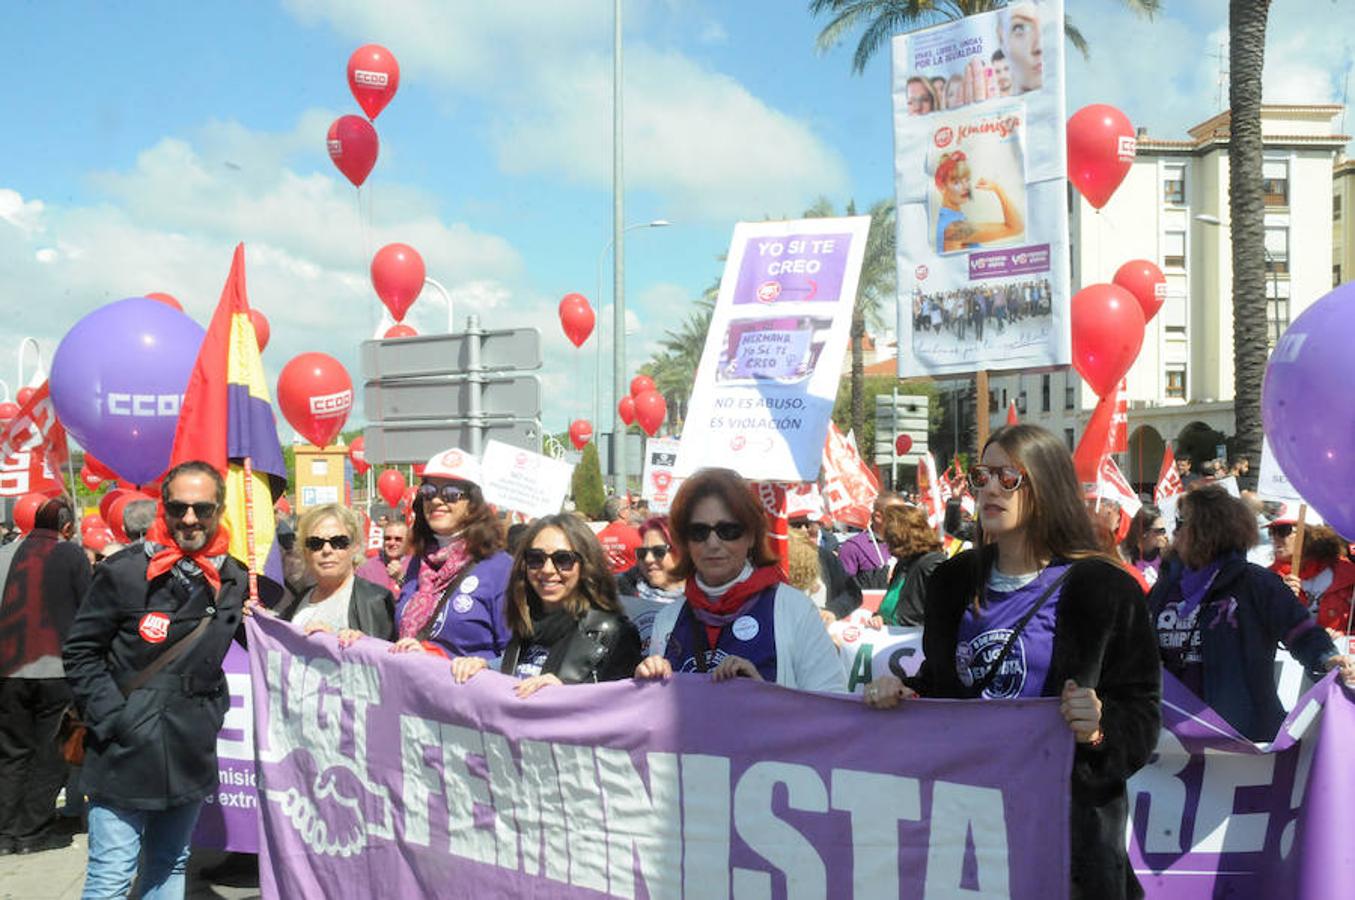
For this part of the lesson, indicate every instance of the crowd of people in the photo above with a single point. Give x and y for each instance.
(1018, 595)
(967, 313)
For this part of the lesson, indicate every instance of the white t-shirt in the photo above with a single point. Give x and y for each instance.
(333, 610)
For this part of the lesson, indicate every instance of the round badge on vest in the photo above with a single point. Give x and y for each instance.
(745, 628)
(469, 584)
(462, 603)
(154, 627)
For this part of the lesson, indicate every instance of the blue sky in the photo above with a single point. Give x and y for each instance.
(144, 140)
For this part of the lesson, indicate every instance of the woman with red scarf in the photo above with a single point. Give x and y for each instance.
(1326, 581)
(738, 618)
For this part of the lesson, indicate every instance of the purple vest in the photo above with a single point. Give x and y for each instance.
(474, 620)
(751, 636)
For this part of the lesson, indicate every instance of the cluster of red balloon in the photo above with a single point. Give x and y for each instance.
(315, 394)
(373, 77)
(644, 406)
(1108, 319)
(398, 275)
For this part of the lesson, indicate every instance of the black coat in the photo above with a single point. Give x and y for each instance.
(843, 594)
(916, 572)
(1103, 639)
(604, 647)
(156, 748)
(371, 609)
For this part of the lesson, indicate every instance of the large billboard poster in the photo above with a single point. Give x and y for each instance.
(769, 373)
(979, 165)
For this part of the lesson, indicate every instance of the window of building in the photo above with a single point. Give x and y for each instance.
(1336, 275)
(1277, 308)
(1021, 403)
(1176, 382)
(1068, 437)
(1174, 250)
(1336, 207)
(1176, 331)
(1277, 249)
(1174, 185)
(1046, 388)
(1069, 395)
(1275, 182)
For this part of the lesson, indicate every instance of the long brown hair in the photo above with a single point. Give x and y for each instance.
(1057, 523)
(484, 537)
(737, 496)
(597, 586)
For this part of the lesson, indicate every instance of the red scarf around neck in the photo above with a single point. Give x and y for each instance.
(163, 561)
(709, 610)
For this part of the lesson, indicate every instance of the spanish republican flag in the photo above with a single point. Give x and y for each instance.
(227, 420)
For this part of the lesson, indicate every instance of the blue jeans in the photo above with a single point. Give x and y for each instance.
(116, 838)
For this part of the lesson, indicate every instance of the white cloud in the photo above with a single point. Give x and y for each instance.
(25, 215)
(712, 32)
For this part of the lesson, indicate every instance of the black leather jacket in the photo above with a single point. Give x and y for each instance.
(604, 647)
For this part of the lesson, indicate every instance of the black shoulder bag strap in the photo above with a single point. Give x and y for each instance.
(978, 687)
(700, 644)
(173, 652)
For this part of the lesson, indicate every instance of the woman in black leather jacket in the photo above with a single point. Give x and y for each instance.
(567, 625)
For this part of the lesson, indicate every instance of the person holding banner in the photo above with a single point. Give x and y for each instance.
(340, 603)
(567, 624)
(1219, 617)
(452, 602)
(738, 620)
(1036, 610)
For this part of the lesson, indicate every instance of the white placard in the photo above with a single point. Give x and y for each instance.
(769, 373)
(660, 484)
(523, 481)
(1272, 483)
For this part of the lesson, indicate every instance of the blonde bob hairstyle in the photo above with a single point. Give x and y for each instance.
(347, 519)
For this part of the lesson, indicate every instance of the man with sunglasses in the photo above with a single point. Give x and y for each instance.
(387, 568)
(150, 748)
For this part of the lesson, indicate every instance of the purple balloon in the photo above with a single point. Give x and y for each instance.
(118, 379)
(1309, 410)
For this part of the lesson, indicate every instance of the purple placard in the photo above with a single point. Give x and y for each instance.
(384, 778)
(230, 816)
(1008, 263)
(793, 268)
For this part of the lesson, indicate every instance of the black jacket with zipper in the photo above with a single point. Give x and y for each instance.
(156, 748)
(604, 647)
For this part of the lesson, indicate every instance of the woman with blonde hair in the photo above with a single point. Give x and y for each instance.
(340, 603)
(917, 552)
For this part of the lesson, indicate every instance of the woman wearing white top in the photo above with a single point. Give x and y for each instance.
(738, 618)
(340, 603)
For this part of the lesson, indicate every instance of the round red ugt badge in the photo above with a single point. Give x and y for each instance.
(154, 627)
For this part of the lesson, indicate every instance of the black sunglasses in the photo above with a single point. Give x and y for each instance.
(699, 532)
(563, 560)
(177, 509)
(659, 551)
(450, 493)
(338, 542)
(1009, 478)
(1281, 530)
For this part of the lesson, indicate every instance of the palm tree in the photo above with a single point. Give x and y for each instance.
(885, 18)
(1246, 57)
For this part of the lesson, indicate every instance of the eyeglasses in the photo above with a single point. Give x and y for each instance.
(563, 560)
(177, 509)
(1157, 531)
(699, 532)
(1009, 478)
(393, 540)
(450, 493)
(338, 542)
(659, 551)
(802, 524)
(1281, 531)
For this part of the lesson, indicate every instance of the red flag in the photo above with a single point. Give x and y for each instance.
(1095, 441)
(1112, 485)
(929, 491)
(1011, 414)
(1168, 480)
(773, 499)
(32, 449)
(1118, 440)
(849, 487)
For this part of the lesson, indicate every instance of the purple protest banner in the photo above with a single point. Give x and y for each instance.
(230, 817)
(384, 778)
(794, 268)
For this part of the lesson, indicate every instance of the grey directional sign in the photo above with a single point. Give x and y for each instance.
(449, 397)
(446, 354)
(417, 442)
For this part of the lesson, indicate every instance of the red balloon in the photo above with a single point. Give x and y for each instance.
(115, 511)
(576, 318)
(391, 485)
(399, 331)
(417, 469)
(397, 275)
(8, 411)
(166, 299)
(1146, 282)
(23, 395)
(353, 147)
(639, 384)
(650, 411)
(1100, 151)
(1107, 325)
(580, 433)
(357, 455)
(903, 443)
(89, 479)
(106, 501)
(261, 329)
(97, 539)
(26, 510)
(315, 394)
(373, 77)
(97, 468)
(626, 409)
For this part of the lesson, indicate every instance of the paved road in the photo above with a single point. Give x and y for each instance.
(59, 875)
